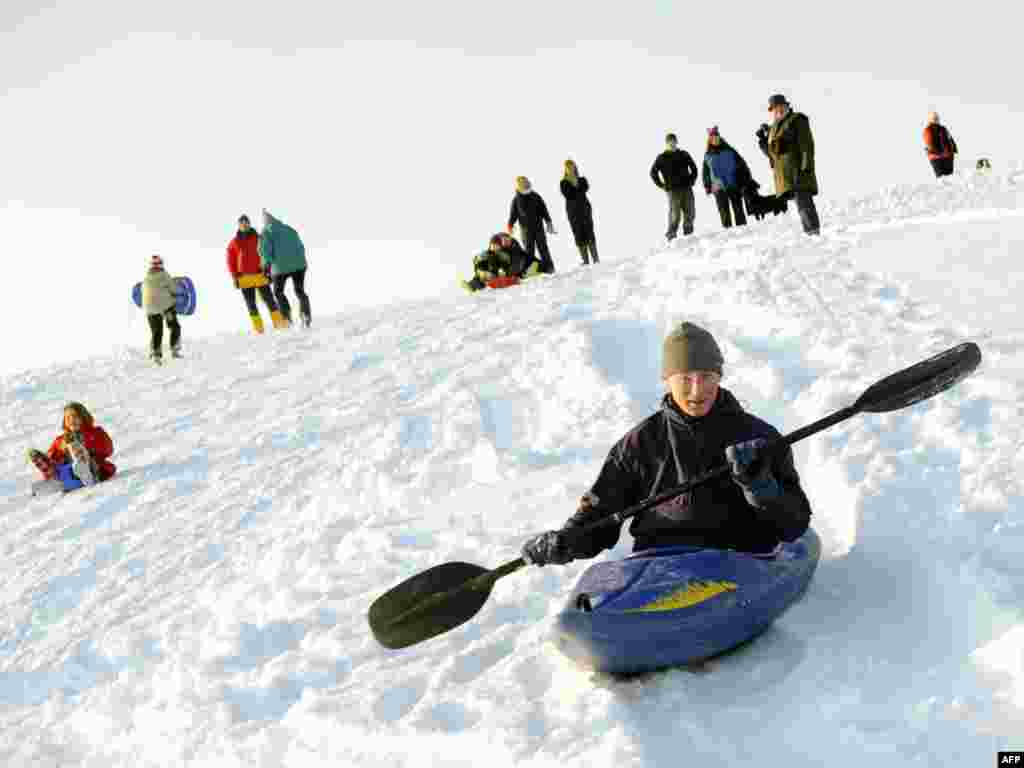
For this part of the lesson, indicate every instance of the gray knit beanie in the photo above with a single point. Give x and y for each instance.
(690, 348)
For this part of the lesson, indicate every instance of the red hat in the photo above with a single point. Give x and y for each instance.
(713, 131)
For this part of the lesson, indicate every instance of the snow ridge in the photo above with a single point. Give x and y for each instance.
(207, 606)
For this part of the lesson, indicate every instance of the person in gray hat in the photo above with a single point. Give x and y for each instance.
(699, 425)
(789, 145)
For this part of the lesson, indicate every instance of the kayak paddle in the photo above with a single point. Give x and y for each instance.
(448, 595)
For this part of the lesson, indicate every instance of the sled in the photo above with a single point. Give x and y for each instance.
(185, 295)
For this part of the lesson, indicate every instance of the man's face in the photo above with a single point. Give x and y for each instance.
(778, 112)
(695, 391)
(243, 225)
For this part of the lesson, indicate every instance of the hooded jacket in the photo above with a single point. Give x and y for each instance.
(791, 151)
(669, 448)
(281, 248)
(725, 169)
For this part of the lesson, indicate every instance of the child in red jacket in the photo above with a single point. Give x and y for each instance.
(83, 447)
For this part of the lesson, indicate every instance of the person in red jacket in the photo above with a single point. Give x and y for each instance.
(82, 444)
(247, 274)
(939, 145)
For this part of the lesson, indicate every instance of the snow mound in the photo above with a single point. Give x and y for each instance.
(207, 606)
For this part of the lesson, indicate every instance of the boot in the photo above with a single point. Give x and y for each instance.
(257, 323)
(593, 254)
(279, 320)
(583, 254)
(82, 464)
(306, 320)
(43, 463)
(176, 352)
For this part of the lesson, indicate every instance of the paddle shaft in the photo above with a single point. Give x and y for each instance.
(619, 517)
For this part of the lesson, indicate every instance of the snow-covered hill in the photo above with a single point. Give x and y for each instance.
(207, 606)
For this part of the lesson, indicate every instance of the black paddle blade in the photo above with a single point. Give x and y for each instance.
(922, 380)
(429, 604)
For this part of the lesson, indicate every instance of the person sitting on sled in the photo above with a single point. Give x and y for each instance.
(81, 452)
(504, 257)
(699, 426)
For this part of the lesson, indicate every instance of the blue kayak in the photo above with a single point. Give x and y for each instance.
(674, 605)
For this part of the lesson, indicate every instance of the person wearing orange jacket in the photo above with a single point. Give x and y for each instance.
(243, 259)
(83, 448)
(939, 145)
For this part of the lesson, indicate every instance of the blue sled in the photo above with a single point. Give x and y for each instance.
(69, 478)
(674, 605)
(185, 294)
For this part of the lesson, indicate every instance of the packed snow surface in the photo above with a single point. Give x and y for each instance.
(207, 606)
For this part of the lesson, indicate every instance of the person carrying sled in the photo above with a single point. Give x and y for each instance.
(700, 425)
(579, 212)
(790, 149)
(243, 260)
(939, 145)
(529, 210)
(80, 455)
(725, 175)
(284, 255)
(675, 172)
(159, 302)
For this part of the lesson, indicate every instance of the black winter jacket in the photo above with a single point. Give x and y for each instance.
(669, 448)
(528, 209)
(677, 170)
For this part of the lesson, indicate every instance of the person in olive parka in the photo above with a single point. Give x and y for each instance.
(529, 210)
(676, 173)
(579, 212)
(699, 427)
(789, 145)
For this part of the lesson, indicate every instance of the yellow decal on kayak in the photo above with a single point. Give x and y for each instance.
(693, 593)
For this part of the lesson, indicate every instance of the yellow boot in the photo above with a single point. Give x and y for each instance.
(257, 323)
(278, 319)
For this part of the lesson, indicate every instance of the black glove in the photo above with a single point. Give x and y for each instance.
(752, 472)
(549, 547)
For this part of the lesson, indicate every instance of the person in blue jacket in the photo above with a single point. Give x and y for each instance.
(726, 176)
(283, 256)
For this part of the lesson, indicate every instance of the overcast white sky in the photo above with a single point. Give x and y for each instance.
(152, 125)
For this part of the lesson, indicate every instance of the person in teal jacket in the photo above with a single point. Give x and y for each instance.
(283, 256)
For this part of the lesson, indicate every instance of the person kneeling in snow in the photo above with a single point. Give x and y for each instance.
(700, 425)
(78, 456)
(504, 257)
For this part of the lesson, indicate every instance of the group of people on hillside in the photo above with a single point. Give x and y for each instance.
(262, 262)
(787, 141)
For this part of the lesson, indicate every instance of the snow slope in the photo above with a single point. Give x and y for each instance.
(207, 607)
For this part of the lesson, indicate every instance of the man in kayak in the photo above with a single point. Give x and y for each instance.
(700, 426)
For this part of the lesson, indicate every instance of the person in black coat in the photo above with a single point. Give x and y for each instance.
(578, 210)
(701, 426)
(676, 173)
(531, 213)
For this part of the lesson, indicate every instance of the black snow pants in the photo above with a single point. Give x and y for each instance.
(535, 240)
(249, 294)
(156, 331)
(298, 282)
(723, 200)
